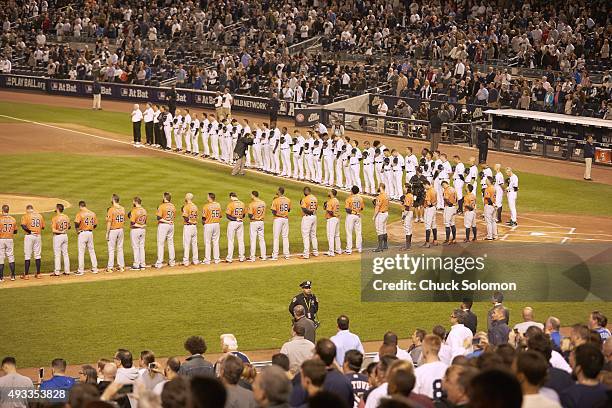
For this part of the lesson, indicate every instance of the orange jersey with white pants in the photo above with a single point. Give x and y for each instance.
(60, 225)
(115, 216)
(381, 210)
(211, 217)
(332, 214)
(256, 211)
(8, 229)
(354, 205)
(235, 212)
(309, 205)
(281, 206)
(138, 222)
(85, 222)
(166, 213)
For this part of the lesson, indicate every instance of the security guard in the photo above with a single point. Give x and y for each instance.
(308, 300)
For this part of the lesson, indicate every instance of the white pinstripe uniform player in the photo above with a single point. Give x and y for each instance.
(177, 125)
(168, 122)
(246, 129)
(186, 131)
(379, 159)
(368, 171)
(223, 135)
(213, 136)
(266, 154)
(309, 168)
(355, 166)
(257, 147)
(297, 144)
(195, 135)
(328, 161)
(285, 151)
(410, 165)
(444, 175)
(471, 175)
(236, 133)
(486, 172)
(205, 133)
(458, 182)
(190, 230)
(317, 157)
(408, 215)
(338, 152)
(499, 191)
(398, 175)
(387, 171)
(511, 194)
(346, 169)
(276, 151)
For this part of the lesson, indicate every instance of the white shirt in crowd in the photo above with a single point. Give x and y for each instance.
(376, 396)
(227, 100)
(345, 341)
(459, 340)
(523, 326)
(136, 115)
(538, 401)
(148, 115)
(383, 109)
(426, 375)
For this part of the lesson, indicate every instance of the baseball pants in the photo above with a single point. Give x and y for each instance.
(97, 101)
(214, 145)
(333, 236)
(440, 193)
(378, 173)
(380, 223)
(256, 230)
(348, 177)
(356, 175)
(329, 171)
(149, 132)
(85, 241)
(276, 161)
(310, 169)
(309, 235)
(247, 154)
(60, 250)
(449, 215)
(408, 218)
(235, 228)
(257, 155)
(32, 244)
(398, 180)
(280, 229)
(157, 134)
(187, 135)
(168, 134)
(339, 173)
(286, 162)
(195, 142)
(7, 250)
(136, 131)
(318, 170)
(430, 218)
(458, 185)
(512, 204)
(469, 219)
(211, 242)
(137, 237)
(165, 232)
(266, 157)
(115, 243)
(368, 175)
(190, 241)
(489, 214)
(353, 224)
(205, 147)
(296, 158)
(178, 139)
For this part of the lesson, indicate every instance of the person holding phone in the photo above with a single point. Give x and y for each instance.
(150, 371)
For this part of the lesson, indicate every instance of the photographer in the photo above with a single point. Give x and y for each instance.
(418, 190)
(150, 372)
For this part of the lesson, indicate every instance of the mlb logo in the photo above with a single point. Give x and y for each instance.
(54, 86)
(161, 95)
(198, 98)
(124, 92)
(88, 88)
(299, 118)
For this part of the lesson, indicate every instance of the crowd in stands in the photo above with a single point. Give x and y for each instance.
(247, 46)
(529, 365)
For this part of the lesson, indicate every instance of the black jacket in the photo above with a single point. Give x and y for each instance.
(471, 321)
(242, 145)
(197, 365)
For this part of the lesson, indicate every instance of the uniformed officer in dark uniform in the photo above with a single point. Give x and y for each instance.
(308, 300)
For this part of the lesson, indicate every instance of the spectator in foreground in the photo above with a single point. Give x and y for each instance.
(298, 349)
(531, 368)
(88, 375)
(497, 300)
(498, 330)
(416, 347)
(126, 372)
(455, 385)
(381, 391)
(59, 379)
(344, 340)
(176, 393)
(495, 388)
(207, 392)
(401, 385)
(471, 320)
(432, 368)
(237, 396)
(299, 314)
(313, 373)
(173, 365)
(528, 321)
(196, 364)
(353, 360)
(598, 322)
(557, 379)
(272, 388)
(13, 380)
(587, 361)
(551, 327)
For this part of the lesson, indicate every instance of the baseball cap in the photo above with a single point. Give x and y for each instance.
(306, 284)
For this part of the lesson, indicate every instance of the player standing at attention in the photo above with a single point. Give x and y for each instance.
(211, 217)
(84, 224)
(430, 202)
(489, 209)
(499, 191)
(136, 122)
(167, 119)
(166, 212)
(332, 213)
(256, 212)
(458, 182)
(381, 213)
(190, 230)
(309, 205)
(60, 224)
(149, 116)
(234, 212)
(138, 225)
(469, 213)
(512, 192)
(115, 218)
(8, 229)
(450, 212)
(281, 206)
(32, 223)
(353, 206)
(407, 215)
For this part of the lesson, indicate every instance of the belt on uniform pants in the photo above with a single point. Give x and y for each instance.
(59, 233)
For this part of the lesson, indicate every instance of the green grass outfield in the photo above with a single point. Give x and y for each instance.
(84, 321)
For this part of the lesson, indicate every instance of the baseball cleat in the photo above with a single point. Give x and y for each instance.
(79, 273)
(12, 278)
(108, 270)
(217, 261)
(274, 258)
(426, 245)
(251, 259)
(135, 268)
(96, 270)
(38, 276)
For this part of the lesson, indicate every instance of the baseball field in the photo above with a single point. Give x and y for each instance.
(57, 150)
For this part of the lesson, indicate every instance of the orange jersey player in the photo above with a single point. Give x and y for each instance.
(166, 212)
(8, 229)
(32, 223)
(449, 195)
(138, 223)
(353, 206)
(84, 223)
(407, 216)
(381, 214)
(256, 211)
(115, 220)
(281, 206)
(309, 205)
(235, 213)
(60, 224)
(332, 213)
(190, 230)
(211, 217)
